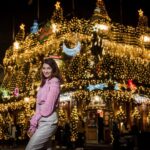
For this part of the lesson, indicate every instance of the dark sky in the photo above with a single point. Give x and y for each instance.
(15, 12)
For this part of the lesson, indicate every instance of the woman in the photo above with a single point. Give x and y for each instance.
(43, 124)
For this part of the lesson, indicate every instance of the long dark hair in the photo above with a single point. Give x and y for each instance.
(55, 70)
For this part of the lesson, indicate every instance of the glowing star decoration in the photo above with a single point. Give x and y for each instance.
(140, 12)
(57, 5)
(22, 26)
(54, 28)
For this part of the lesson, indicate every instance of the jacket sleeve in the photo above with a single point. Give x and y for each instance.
(48, 107)
(36, 117)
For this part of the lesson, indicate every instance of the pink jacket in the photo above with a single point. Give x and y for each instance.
(47, 101)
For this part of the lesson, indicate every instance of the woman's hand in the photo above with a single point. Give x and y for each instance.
(31, 131)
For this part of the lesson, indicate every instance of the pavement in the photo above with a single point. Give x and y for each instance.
(21, 146)
(98, 147)
(87, 147)
(12, 148)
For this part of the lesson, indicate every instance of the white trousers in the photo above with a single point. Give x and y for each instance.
(41, 139)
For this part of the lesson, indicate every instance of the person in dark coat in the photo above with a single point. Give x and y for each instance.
(116, 136)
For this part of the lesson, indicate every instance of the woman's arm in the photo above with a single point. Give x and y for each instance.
(36, 117)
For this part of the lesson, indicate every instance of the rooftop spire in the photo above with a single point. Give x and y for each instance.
(100, 13)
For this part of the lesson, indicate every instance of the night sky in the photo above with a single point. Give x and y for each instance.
(15, 12)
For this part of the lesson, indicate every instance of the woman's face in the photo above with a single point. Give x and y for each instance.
(46, 70)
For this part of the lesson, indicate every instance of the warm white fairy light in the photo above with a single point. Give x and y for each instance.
(54, 28)
(146, 39)
(65, 97)
(16, 45)
(26, 99)
(101, 27)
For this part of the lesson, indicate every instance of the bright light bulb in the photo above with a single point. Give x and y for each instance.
(26, 99)
(16, 45)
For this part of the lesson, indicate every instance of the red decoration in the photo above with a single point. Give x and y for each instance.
(131, 85)
(44, 33)
(54, 57)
